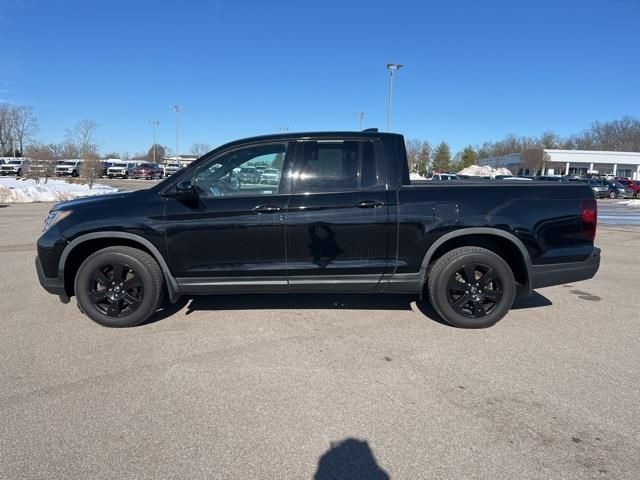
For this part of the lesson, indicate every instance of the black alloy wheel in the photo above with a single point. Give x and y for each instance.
(116, 289)
(471, 287)
(119, 286)
(474, 290)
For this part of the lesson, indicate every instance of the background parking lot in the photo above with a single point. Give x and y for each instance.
(269, 387)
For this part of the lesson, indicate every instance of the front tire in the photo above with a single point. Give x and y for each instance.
(119, 286)
(613, 195)
(471, 287)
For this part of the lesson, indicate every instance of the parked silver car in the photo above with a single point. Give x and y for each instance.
(600, 188)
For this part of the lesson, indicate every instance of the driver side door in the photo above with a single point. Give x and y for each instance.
(233, 238)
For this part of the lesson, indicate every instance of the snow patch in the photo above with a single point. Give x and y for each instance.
(416, 176)
(14, 190)
(631, 203)
(484, 171)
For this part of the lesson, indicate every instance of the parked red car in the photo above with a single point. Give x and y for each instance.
(148, 171)
(632, 184)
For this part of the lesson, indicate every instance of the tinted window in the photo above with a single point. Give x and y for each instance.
(224, 175)
(337, 166)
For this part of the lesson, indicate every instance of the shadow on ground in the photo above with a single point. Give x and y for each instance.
(325, 301)
(351, 459)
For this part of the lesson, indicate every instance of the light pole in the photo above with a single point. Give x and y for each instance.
(360, 117)
(154, 124)
(392, 67)
(176, 108)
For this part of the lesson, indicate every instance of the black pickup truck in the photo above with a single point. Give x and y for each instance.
(340, 216)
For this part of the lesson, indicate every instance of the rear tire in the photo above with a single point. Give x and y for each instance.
(613, 195)
(119, 286)
(471, 287)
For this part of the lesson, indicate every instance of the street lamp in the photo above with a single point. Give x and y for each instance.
(392, 67)
(154, 124)
(176, 108)
(360, 117)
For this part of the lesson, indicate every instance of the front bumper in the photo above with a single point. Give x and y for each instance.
(561, 273)
(53, 285)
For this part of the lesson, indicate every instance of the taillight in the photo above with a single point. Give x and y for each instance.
(589, 216)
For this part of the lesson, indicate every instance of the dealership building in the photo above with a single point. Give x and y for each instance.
(570, 162)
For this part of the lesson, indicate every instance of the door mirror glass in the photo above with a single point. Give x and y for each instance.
(186, 192)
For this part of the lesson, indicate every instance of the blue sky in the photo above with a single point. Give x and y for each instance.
(475, 70)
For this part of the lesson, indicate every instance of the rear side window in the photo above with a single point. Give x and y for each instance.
(338, 166)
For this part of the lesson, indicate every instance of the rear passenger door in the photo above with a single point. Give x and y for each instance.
(337, 217)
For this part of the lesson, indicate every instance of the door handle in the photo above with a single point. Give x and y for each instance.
(266, 209)
(369, 204)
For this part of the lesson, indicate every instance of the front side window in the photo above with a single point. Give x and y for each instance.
(240, 172)
(337, 166)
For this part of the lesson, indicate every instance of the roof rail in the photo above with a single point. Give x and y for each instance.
(370, 130)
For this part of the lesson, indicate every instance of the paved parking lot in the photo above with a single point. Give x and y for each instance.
(613, 212)
(320, 387)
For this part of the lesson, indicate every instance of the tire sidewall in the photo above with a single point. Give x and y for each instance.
(440, 297)
(81, 287)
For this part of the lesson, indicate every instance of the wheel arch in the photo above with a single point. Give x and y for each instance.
(505, 244)
(81, 247)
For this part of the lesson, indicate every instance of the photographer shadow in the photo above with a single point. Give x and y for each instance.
(351, 459)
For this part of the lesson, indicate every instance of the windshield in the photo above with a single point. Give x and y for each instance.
(69, 163)
(14, 162)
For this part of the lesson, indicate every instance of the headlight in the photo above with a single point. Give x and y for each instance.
(54, 217)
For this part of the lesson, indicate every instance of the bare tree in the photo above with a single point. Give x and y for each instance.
(533, 159)
(7, 122)
(91, 168)
(200, 149)
(81, 138)
(25, 125)
(413, 147)
(156, 153)
(42, 164)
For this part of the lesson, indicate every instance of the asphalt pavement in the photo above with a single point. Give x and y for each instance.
(615, 212)
(295, 387)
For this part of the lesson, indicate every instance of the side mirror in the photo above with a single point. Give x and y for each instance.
(186, 192)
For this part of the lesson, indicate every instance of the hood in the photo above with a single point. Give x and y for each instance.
(88, 201)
